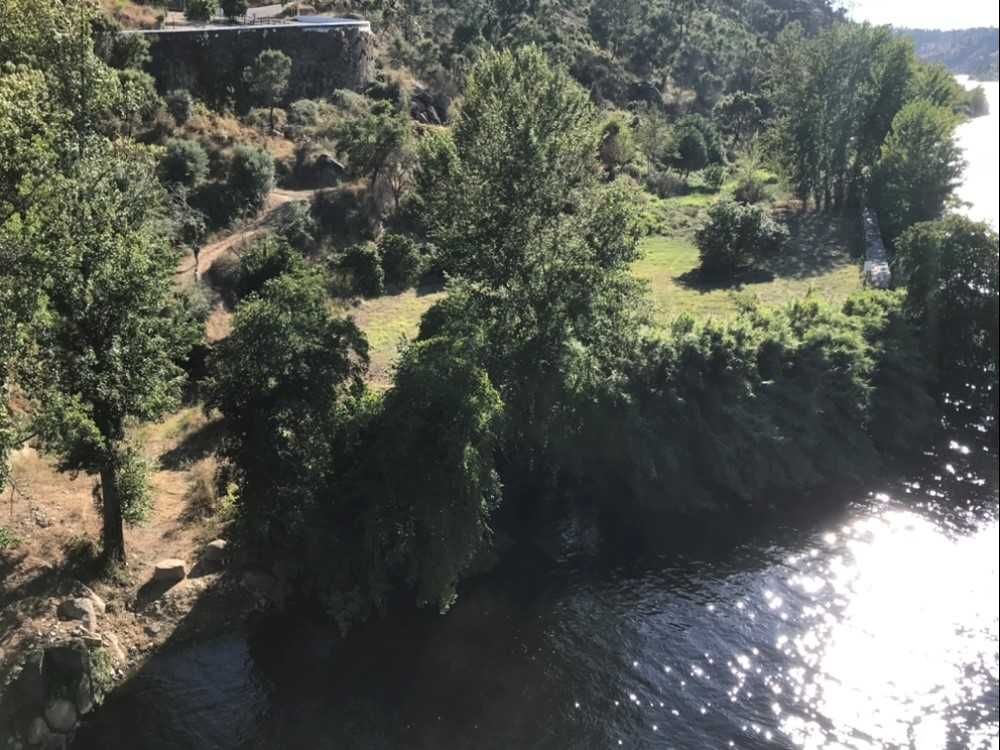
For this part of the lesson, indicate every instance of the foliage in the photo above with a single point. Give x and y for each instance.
(378, 146)
(180, 104)
(250, 178)
(277, 380)
(201, 11)
(267, 78)
(401, 259)
(949, 269)
(297, 226)
(185, 162)
(617, 145)
(737, 235)
(741, 115)
(234, 8)
(365, 264)
(7, 539)
(264, 259)
(132, 483)
(714, 176)
(918, 169)
(108, 350)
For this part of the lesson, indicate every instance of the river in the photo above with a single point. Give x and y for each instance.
(867, 622)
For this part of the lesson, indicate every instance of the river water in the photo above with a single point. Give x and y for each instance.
(867, 622)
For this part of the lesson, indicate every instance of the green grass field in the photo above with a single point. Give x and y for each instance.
(817, 261)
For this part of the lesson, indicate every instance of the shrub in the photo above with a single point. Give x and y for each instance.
(303, 113)
(250, 177)
(692, 153)
(180, 105)
(201, 11)
(184, 163)
(737, 235)
(136, 500)
(266, 120)
(297, 226)
(224, 275)
(341, 213)
(663, 183)
(234, 8)
(714, 176)
(401, 261)
(365, 264)
(750, 189)
(264, 259)
(216, 202)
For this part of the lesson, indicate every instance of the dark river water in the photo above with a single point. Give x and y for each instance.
(869, 622)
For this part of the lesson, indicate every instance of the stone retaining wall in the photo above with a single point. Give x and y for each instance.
(210, 61)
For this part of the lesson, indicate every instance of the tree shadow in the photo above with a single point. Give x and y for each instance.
(194, 447)
(696, 281)
(819, 243)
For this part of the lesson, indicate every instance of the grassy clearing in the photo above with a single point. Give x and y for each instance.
(387, 321)
(817, 261)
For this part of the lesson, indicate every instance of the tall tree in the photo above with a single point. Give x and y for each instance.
(106, 352)
(919, 167)
(268, 79)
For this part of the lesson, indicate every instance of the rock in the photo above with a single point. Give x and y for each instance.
(214, 551)
(170, 570)
(84, 696)
(152, 629)
(60, 715)
(77, 608)
(118, 655)
(86, 592)
(38, 731)
(94, 641)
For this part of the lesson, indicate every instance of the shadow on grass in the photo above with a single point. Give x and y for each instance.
(698, 282)
(198, 445)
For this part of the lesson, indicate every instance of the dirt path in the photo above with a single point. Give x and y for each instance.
(213, 250)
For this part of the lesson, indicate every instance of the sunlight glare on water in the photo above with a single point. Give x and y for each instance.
(909, 608)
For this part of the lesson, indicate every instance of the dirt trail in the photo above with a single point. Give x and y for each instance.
(212, 251)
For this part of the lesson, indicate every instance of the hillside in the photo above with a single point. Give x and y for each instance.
(971, 52)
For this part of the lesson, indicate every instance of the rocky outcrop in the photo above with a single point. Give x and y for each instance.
(55, 686)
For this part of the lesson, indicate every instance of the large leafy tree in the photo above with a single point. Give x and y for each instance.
(107, 348)
(919, 167)
(539, 246)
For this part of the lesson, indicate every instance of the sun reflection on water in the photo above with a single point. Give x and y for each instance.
(909, 645)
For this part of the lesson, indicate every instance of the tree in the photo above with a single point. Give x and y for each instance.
(108, 351)
(918, 169)
(692, 153)
(741, 116)
(185, 162)
(234, 9)
(250, 178)
(735, 236)
(180, 105)
(539, 249)
(201, 11)
(617, 148)
(950, 271)
(268, 77)
(277, 379)
(378, 144)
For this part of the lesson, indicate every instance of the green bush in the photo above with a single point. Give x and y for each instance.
(401, 259)
(737, 235)
(180, 105)
(714, 176)
(201, 11)
(365, 264)
(132, 475)
(264, 259)
(265, 120)
(303, 113)
(185, 163)
(250, 178)
(297, 226)
(340, 213)
(750, 189)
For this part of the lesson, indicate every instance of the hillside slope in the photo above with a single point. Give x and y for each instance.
(971, 52)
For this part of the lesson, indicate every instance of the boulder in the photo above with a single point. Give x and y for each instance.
(170, 570)
(78, 608)
(86, 592)
(60, 715)
(214, 551)
(84, 696)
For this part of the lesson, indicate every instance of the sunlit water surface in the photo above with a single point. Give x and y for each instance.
(980, 139)
(873, 624)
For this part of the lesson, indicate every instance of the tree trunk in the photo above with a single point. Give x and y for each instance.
(111, 510)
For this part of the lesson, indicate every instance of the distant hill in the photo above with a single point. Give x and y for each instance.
(971, 52)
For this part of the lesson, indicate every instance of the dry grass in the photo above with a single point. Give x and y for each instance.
(131, 15)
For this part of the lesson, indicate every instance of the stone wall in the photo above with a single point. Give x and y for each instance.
(877, 273)
(209, 61)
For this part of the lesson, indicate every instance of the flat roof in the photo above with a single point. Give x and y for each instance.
(300, 22)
